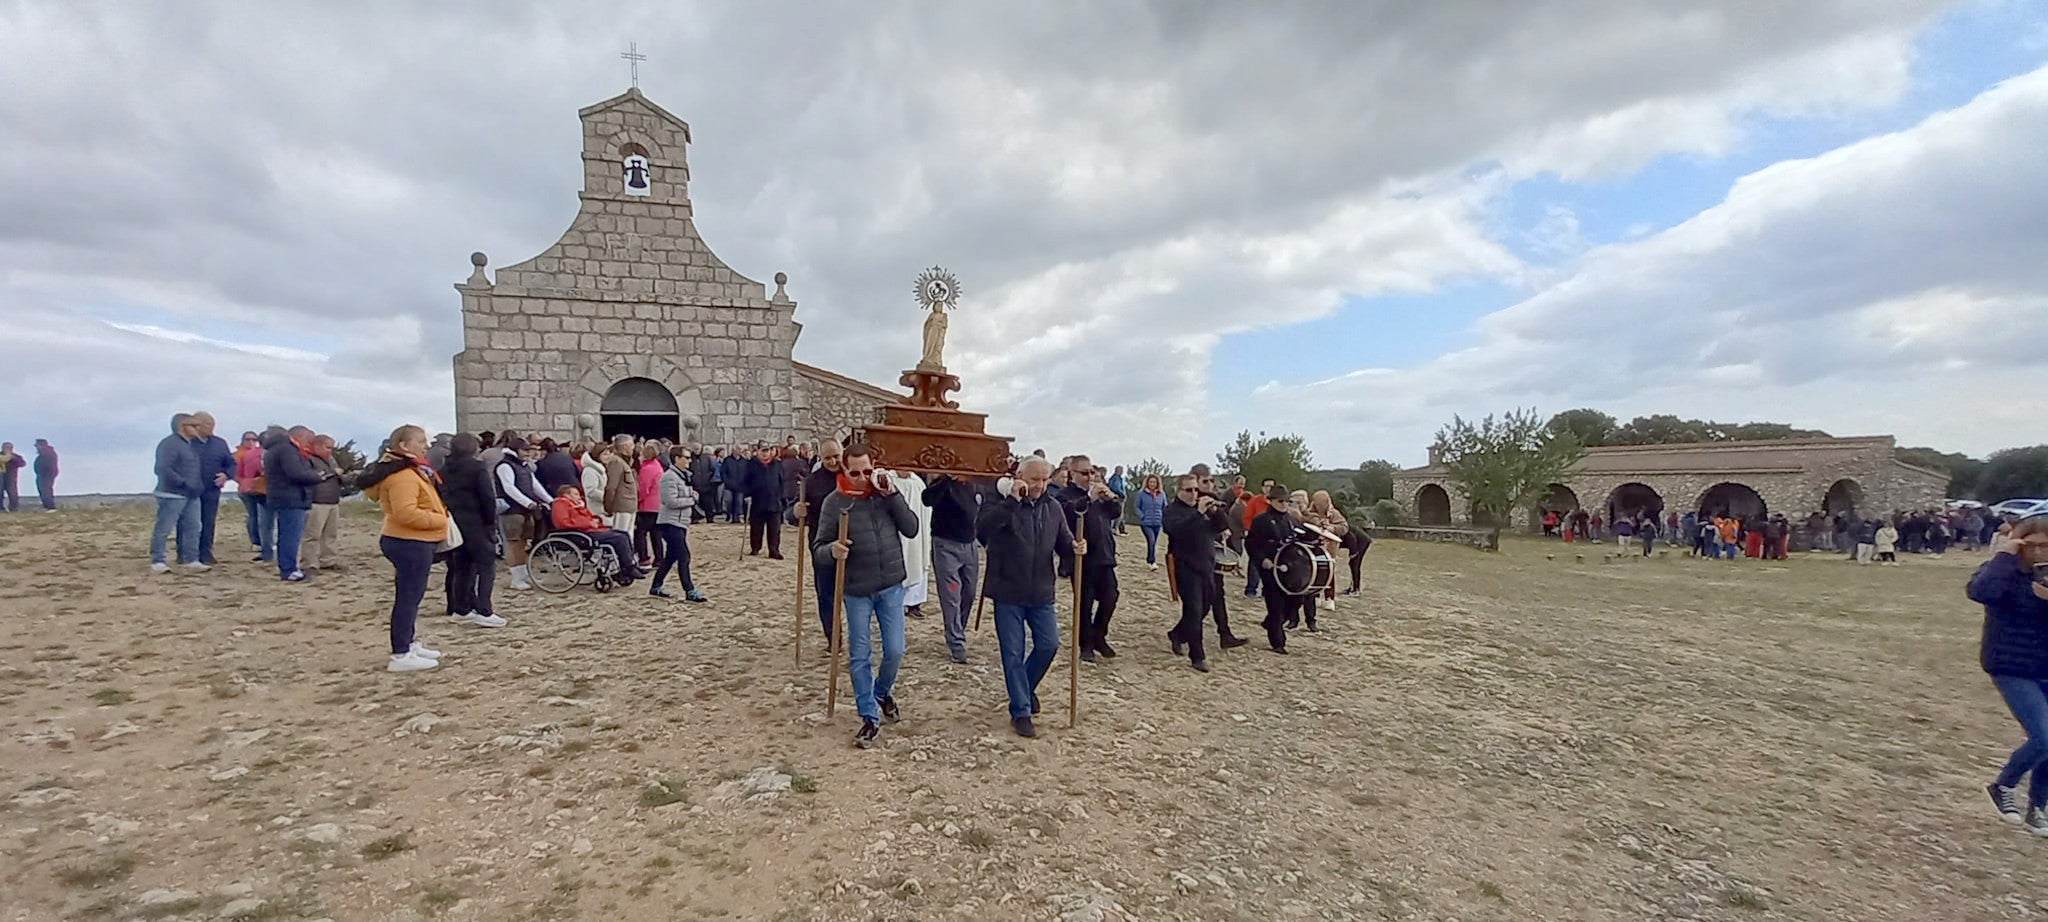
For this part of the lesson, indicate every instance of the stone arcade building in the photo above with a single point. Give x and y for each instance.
(629, 323)
(1792, 476)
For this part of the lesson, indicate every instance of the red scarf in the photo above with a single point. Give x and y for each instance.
(856, 488)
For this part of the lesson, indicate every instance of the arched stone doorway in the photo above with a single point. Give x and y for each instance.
(1556, 498)
(1735, 499)
(1635, 499)
(1842, 498)
(1432, 505)
(641, 407)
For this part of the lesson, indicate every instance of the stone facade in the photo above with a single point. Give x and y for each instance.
(1792, 476)
(632, 291)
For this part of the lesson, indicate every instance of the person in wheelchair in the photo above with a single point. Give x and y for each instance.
(571, 513)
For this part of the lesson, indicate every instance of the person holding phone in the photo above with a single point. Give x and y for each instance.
(2013, 588)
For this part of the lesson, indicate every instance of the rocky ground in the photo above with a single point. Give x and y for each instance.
(1526, 735)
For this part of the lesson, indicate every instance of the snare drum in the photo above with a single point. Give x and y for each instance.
(1303, 569)
(1228, 560)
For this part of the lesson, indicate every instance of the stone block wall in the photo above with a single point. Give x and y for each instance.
(829, 406)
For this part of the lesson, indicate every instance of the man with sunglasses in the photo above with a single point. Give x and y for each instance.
(1025, 531)
(878, 519)
(1194, 520)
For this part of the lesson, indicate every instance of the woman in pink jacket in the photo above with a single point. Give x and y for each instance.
(646, 537)
(250, 486)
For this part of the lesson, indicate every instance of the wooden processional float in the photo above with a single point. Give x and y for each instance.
(928, 434)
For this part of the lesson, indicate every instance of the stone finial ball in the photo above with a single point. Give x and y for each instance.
(478, 259)
(690, 423)
(781, 278)
(586, 421)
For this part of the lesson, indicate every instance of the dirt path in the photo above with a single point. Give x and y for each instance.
(1476, 737)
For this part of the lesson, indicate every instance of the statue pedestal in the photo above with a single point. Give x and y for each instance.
(929, 434)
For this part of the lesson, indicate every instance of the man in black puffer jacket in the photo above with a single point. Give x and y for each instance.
(1025, 530)
(871, 557)
(291, 476)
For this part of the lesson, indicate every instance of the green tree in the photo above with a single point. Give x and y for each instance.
(1963, 470)
(351, 462)
(1386, 513)
(1664, 429)
(2014, 473)
(1502, 464)
(1283, 458)
(1591, 427)
(1749, 432)
(1374, 480)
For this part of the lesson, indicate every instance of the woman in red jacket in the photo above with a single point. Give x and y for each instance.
(572, 513)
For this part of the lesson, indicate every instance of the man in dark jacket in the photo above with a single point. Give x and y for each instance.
(216, 468)
(469, 491)
(323, 519)
(1100, 509)
(736, 483)
(45, 468)
(291, 476)
(1025, 531)
(795, 467)
(704, 480)
(177, 492)
(1194, 520)
(555, 469)
(956, 565)
(763, 483)
(1270, 531)
(818, 485)
(877, 521)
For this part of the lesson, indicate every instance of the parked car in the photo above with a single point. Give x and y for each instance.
(2021, 508)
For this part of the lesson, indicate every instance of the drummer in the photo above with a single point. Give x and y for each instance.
(1271, 531)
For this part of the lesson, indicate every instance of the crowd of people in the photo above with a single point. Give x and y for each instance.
(287, 480)
(42, 465)
(1723, 535)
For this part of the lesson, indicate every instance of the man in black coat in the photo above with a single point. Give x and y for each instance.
(818, 485)
(1098, 510)
(290, 476)
(956, 570)
(763, 485)
(1270, 531)
(706, 485)
(1025, 531)
(216, 468)
(1193, 522)
(555, 469)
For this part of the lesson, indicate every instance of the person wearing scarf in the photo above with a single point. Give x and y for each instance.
(415, 521)
(289, 470)
(572, 512)
(878, 519)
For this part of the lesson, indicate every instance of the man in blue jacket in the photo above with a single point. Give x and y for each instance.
(1025, 531)
(763, 483)
(177, 497)
(216, 468)
(735, 470)
(291, 478)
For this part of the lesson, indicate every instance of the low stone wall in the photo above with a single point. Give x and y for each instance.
(1481, 538)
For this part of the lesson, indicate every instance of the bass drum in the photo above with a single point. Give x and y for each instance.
(1303, 569)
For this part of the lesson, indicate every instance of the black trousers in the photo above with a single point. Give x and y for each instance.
(472, 575)
(1217, 606)
(1197, 586)
(770, 522)
(1354, 552)
(675, 544)
(1280, 608)
(1099, 594)
(647, 537)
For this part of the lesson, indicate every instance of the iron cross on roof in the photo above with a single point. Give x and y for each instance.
(633, 55)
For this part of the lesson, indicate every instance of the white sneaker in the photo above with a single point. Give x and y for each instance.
(410, 662)
(520, 580)
(196, 567)
(481, 620)
(159, 568)
(422, 650)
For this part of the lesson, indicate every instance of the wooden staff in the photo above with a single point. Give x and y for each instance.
(803, 535)
(982, 605)
(1074, 655)
(837, 637)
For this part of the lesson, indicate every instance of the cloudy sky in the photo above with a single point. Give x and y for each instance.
(1172, 220)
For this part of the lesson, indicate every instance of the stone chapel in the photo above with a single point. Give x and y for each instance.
(630, 324)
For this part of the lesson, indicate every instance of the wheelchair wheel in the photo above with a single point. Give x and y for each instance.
(556, 566)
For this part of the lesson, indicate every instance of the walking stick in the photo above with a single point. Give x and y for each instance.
(1074, 655)
(981, 605)
(803, 532)
(836, 638)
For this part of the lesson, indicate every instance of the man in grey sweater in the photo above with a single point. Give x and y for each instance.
(878, 519)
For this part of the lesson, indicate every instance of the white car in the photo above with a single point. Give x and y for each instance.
(2021, 508)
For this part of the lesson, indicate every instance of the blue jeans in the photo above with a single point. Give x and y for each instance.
(410, 562)
(209, 513)
(1151, 542)
(1022, 673)
(735, 505)
(870, 684)
(2028, 701)
(262, 528)
(291, 529)
(181, 513)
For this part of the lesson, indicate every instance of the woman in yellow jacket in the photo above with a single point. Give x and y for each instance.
(415, 522)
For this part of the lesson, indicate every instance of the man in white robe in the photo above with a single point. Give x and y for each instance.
(917, 551)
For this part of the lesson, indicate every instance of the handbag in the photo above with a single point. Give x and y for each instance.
(453, 541)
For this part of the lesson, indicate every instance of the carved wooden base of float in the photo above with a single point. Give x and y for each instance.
(929, 434)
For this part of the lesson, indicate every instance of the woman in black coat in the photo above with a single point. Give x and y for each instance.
(472, 501)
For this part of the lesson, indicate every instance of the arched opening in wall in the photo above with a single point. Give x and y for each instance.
(1432, 505)
(641, 407)
(636, 172)
(1842, 498)
(1556, 498)
(1733, 499)
(1634, 500)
